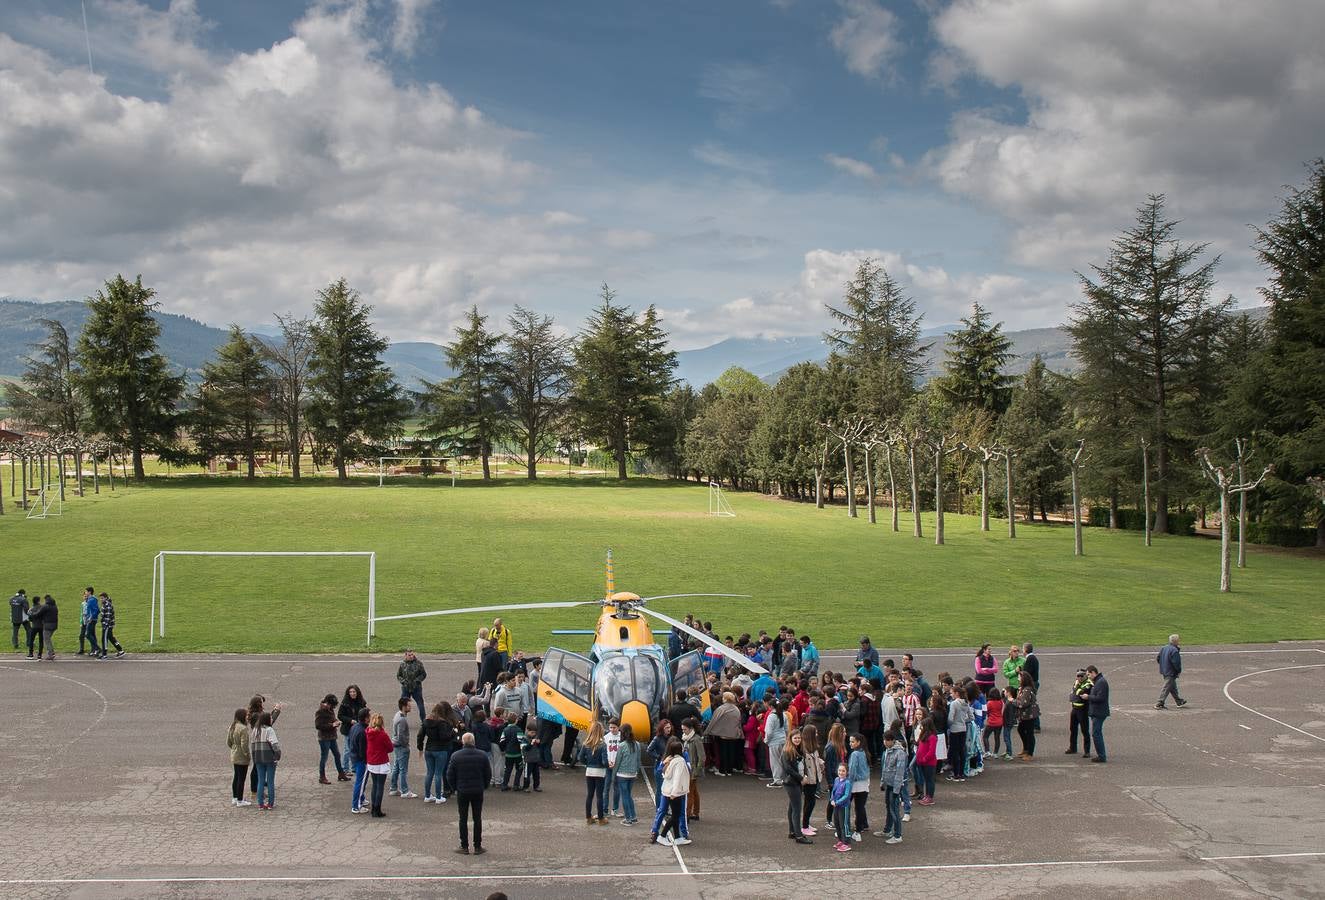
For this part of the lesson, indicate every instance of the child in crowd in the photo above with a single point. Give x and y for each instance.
(893, 782)
(533, 760)
(513, 752)
(838, 800)
(927, 740)
(1009, 720)
(993, 720)
(612, 740)
(858, 770)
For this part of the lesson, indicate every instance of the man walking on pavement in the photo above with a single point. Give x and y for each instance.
(88, 629)
(1098, 707)
(470, 771)
(410, 675)
(1170, 667)
(18, 615)
(1080, 723)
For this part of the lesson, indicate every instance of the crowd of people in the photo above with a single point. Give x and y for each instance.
(39, 618)
(821, 736)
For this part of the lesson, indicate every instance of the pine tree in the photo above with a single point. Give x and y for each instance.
(469, 409)
(535, 370)
(1292, 246)
(1033, 418)
(975, 357)
(234, 401)
(46, 397)
(130, 392)
(1148, 309)
(623, 371)
(354, 401)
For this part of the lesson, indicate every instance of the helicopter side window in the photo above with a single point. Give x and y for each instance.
(574, 679)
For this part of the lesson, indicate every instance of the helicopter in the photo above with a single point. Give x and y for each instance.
(626, 675)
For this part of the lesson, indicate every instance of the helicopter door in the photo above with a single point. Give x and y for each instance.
(688, 672)
(565, 693)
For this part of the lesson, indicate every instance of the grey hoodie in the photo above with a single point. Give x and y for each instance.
(400, 730)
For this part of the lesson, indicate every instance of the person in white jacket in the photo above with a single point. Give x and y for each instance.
(675, 787)
(775, 738)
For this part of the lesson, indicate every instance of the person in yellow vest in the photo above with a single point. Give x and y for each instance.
(500, 636)
(1080, 721)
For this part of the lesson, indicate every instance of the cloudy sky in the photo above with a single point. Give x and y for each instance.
(729, 162)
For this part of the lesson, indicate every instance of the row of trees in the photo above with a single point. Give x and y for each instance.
(1165, 371)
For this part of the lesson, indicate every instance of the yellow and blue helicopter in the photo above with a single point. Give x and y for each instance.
(627, 674)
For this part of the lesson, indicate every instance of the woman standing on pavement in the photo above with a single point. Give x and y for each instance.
(775, 736)
(1028, 710)
(594, 756)
(676, 785)
(348, 714)
(379, 760)
(986, 668)
(240, 757)
(324, 723)
(811, 777)
(793, 774)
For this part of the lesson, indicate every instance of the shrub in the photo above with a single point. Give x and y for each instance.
(1278, 535)
(1133, 520)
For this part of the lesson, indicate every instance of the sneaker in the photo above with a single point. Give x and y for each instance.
(1181, 703)
(1159, 706)
(802, 839)
(664, 840)
(234, 802)
(441, 799)
(881, 833)
(681, 841)
(1099, 759)
(119, 654)
(408, 795)
(840, 847)
(1071, 752)
(463, 851)
(926, 801)
(393, 793)
(479, 851)
(893, 840)
(906, 817)
(427, 799)
(244, 803)
(772, 784)
(1007, 756)
(855, 836)
(630, 822)
(809, 832)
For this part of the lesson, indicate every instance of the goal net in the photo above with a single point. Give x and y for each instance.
(395, 466)
(718, 505)
(47, 502)
(293, 586)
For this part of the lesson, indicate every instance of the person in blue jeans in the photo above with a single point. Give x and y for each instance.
(894, 783)
(410, 674)
(88, 630)
(434, 743)
(324, 722)
(1098, 707)
(625, 771)
(266, 750)
(358, 742)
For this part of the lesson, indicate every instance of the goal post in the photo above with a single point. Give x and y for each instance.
(718, 505)
(383, 460)
(157, 618)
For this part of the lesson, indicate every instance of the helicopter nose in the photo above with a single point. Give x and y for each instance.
(636, 715)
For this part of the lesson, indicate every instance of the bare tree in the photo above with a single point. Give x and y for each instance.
(1227, 484)
(909, 440)
(891, 439)
(1009, 456)
(848, 432)
(869, 441)
(289, 361)
(941, 444)
(820, 470)
(986, 455)
(1145, 487)
(1244, 452)
(1077, 462)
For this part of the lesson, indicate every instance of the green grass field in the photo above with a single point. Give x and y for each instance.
(439, 547)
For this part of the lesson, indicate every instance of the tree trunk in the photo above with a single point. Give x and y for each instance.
(110, 470)
(23, 497)
(1203, 524)
(892, 487)
(531, 458)
(1044, 515)
(1242, 517)
(1012, 506)
(818, 488)
(938, 496)
(850, 485)
(2, 488)
(251, 457)
(78, 471)
(869, 485)
(984, 495)
(1113, 508)
(1145, 489)
(139, 474)
(487, 472)
(1076, 513)
(341, 474)
(915, 489)
(296, 450)
(1225, 577)
(60, 470)
(620, 460)
(96, 475)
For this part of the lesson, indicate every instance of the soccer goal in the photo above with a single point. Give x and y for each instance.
(48, 502)
(414, 465)
(157, 619)
(718, 505)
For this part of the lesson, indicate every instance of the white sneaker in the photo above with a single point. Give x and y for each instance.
(440, 800)
(664, 840)
(234, 802)
(893, 840)
(244, 803)
(855, 836)
(681, 842)
(427, 799)
(393, 793)
(906, 817)
(408, 795)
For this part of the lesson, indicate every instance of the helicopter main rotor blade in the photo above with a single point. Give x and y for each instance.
(670, 596)
(701, 636)
(563, 604)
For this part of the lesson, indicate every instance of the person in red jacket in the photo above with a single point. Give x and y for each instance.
(379, 760)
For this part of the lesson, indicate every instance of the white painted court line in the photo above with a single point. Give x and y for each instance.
(1257, 712)
(1248, 727)
(635, 873)
(675, 849)
(105, 704)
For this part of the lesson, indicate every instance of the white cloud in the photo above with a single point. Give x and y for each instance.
(852, 166)
(408, 26)
(723, 157)
(1214, 104)
(866, 36)
(742, 90)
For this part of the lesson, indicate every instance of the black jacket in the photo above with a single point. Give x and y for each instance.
(46, 616)
(1032, 668)
(489, 666)
(348, 713)
(18, 605)
(469, 770)
(679, 713)
(1099, 698)
(435, 735)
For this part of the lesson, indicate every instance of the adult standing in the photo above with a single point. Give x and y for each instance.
(348, 713)
(775, 738)
(489, 666)
(1170, 667)
(358, 742)
(434, 743)
(18, 614)
(1032, 665)
(675, 789)
(469, 771)
(1080, 723)
(35, 614)
(90, 613)
(809, 657)
(1028, 710)
(986, 668)
(502, 642)
(725, 728)
(681, 710)
(1012, 666)
(793, 767)
(108, 627)
(1099, 711)
(479, 643)
(410, 674)
(237, 740)
(867, 655)
(50, 623)
(377, 755)
(324, 723)
(265, 749)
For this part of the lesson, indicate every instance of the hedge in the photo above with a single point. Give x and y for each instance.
(1278, 535)
(1132, 520)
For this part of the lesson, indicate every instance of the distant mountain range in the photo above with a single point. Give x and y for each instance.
(189, 343)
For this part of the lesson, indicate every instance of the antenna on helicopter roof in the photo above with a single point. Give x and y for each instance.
(611, 589)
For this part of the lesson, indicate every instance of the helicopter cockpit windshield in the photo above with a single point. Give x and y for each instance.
(620, 679)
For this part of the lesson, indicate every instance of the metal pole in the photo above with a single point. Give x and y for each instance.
(151, 617)
(372, 597)
(161, 622)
